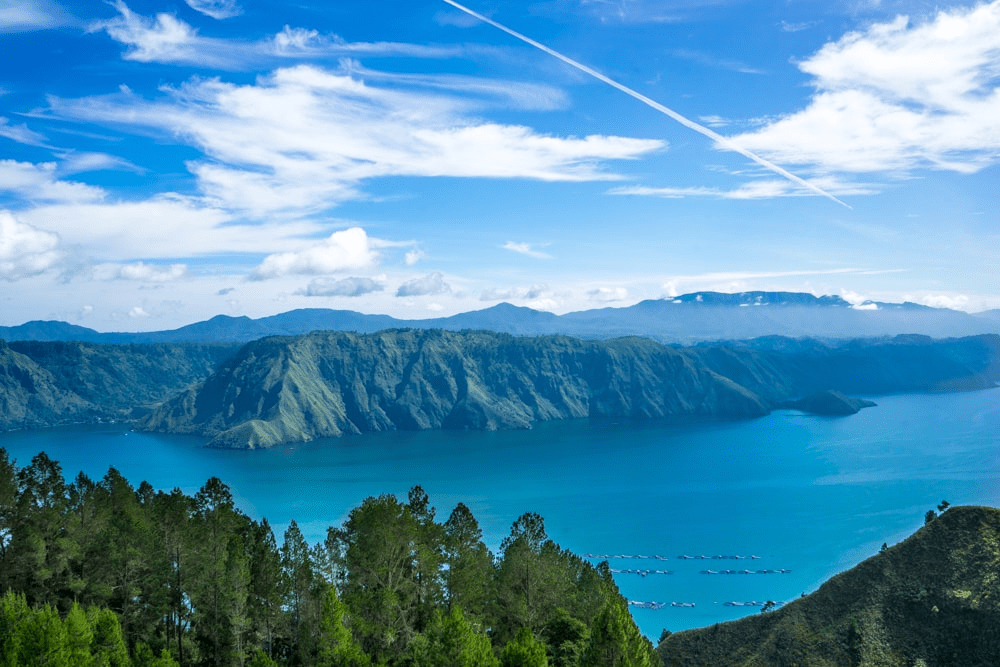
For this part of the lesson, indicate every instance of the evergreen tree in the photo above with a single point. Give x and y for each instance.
(336, 647)
(468, 575)
(452, 641)
(42, 639)
(79, 637)
(615, 641)
(108, 645)
(524, 651)
(266, 590)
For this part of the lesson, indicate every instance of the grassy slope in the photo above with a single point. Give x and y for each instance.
(931, 600)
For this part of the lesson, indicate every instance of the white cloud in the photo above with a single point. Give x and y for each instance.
(25, 250)
(432, 283)
(20, 133)
(163, 39)
(414, 256)
(217, 9)
(535, 292)
(167, 39)
(164, 227)
(140, 271)
(138, 312)
(318, 135)
(607, 294)
(38, 183)
(865, 306)
(898, 96)
(954, 302)
(343, 287)
(346, 250)
(526, 249)
(29, 15)
(757, 189)
(75, 163)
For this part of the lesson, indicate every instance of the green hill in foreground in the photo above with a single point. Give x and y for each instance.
(931, 600)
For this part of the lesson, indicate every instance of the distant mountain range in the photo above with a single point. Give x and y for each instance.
(689, 318)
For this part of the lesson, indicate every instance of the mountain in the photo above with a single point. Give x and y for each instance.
(930, 600)
(829, 403)
(326, 384)
(688, 318)
(52, 383)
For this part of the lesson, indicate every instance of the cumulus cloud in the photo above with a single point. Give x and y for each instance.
(896, 97)
(140, 271)
(25, 250)
(432, 283)
(345, 250)
(343, 287)
(138, 312)
(607, 294)
(526, 249)
(319, 134)
(217, 9)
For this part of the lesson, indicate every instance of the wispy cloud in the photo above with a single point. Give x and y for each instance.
(535, 292)
(39, 183)
(217, 9)
(789, 26)
(30, 15)
(757, 189)
(167, 39)
(526, 249)
(710, 60)
(898, 96)
(318, 135)
(674, 284)
(20, 133)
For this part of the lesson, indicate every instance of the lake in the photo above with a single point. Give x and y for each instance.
(812, 495)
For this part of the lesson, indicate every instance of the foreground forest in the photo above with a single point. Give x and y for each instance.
(102, 573)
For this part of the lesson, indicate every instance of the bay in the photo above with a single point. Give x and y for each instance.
(811, 495)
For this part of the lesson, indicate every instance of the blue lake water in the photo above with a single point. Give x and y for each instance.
(813, 495)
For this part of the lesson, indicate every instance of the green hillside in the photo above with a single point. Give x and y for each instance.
(932, 600)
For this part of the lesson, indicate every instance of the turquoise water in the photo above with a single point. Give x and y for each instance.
(809, 494)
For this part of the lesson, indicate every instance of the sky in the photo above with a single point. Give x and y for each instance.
(165, 161)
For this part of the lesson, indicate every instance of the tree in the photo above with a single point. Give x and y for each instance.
(524, 651)
(376, 552)
(943, 506)
(79, 637)
(615, 641)
(108, 645)
(468, 575)
(336, 646)
(266, 589)
(450, 640)
(930, 516)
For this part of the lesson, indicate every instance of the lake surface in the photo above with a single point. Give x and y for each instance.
(813, 495)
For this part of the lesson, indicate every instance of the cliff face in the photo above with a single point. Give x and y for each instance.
(931, 600)
(328, 384)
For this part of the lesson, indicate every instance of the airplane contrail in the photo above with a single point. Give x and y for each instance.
(686, 122)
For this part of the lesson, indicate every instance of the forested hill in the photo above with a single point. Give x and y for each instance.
(51, 383)
(193, 580)
(931, 600)
(326, 384)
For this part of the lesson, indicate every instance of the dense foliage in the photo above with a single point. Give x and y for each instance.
(101, 573)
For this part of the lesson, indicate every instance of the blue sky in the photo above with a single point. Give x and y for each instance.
(163, 161)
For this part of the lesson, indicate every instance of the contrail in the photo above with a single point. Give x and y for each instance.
(686, 122)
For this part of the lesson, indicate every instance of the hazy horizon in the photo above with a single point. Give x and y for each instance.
(162, 162)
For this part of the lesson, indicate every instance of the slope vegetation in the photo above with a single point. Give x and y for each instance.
(48, 384)
(328, 384)
(931, 600)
